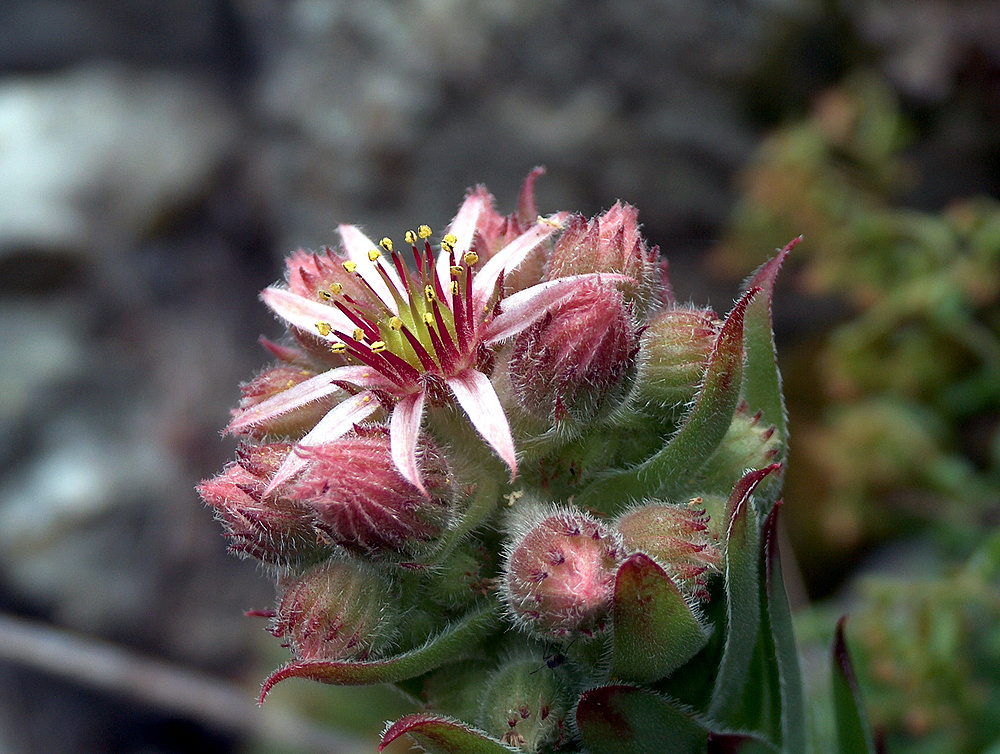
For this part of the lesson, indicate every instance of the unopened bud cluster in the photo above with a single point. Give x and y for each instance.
(470, 449)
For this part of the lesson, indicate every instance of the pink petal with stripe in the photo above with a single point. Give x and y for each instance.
(509, 257)
(356, 246)
(404, 427)
(338, 422)
(295, 397)
(475, 394)
(304, 313)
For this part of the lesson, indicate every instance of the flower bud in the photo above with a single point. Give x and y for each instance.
(274, 529)
(608, 243)
(559, 577)
(676, 347)
(577, 363)
(524, 705)
(335, 611)
(678, 537)
(362, 501)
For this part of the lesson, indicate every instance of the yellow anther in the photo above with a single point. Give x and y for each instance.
(386, 243)
(428, 318)
(454, 287)
(338, 347)
(324, 328)
(378, 346)
(350, 266)
(471, 258)
(410, 237)
(429, 292)
(395, 323)
(456, 270)
(336, 288)
(325, 295)
(366, 399)
(445, 246)
(358, 334)
(374, 254)
(424, 231)
(449, 239)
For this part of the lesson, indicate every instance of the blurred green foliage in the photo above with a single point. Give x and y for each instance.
(894, 397)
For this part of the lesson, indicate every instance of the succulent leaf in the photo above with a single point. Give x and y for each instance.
(656, 631)
(630, 720)
(440, 735)
(853, 731)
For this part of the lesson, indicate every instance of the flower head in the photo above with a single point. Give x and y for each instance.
(411, 337)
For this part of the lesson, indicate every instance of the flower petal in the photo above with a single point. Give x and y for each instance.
(475, 394)
(463, 227)
(356, 246)
(404, 426)
(336, 423)
(522, 309)
(295, 397)
(509, 257)
(304, 313)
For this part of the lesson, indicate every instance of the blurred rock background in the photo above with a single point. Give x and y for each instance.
(157, 160)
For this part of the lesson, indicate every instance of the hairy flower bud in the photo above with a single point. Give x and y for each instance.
(337, 610)
(364, 504)
(271, 528)
(608, 243)
(676, 347)
(678, 537)
(560, 575)
(524, 705)
(579, 362)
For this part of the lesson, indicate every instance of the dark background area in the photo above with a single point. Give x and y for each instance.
(158, 159)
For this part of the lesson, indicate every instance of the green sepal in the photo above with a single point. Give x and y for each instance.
(672, 471)
(442, 735)
(656, 631)
(761, 378)
(458, 640)
(628, 720)
(743, 600)
(853, 732)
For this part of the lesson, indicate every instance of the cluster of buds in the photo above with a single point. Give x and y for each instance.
(512, 472)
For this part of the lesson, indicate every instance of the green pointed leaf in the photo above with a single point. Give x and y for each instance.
(778, 639)
(629, 720)
(761, 378)
(442, 735)
(853, 732)
(673, 470)
(655, 629)
(451, 644)
(742, 601)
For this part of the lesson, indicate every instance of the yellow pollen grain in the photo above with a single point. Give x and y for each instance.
(338, 347)
(454, 287)
(378, 346)
(471, 258)
(373, 255)
(424, 231)
(429, 292)
(428, 318)
(410, 237)
(358, 334)
(324, 328)
(350, 266)
(395, 323)
(366, 399)
(336, 288)
(449, 239)
(290, 383)
(548, 221)
(386, 243)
